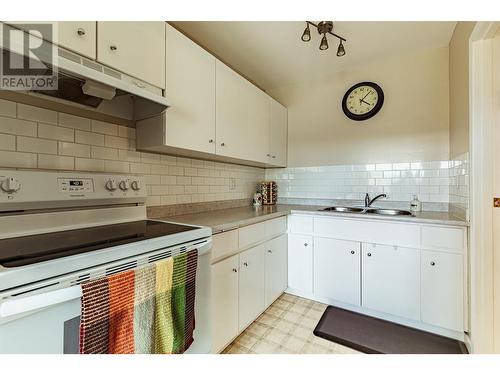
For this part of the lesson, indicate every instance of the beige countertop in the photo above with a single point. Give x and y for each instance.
(232, 218)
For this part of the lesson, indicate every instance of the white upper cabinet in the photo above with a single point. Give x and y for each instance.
(258, 124)
(134, 48)
(278, 133)
(190, 91)
(79, 37)
(231, 100)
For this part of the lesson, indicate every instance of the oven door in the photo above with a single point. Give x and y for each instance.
(41, 323)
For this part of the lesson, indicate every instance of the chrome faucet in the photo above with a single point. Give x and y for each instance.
(368, 201)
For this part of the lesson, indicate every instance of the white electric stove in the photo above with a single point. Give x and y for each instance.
(58, 230)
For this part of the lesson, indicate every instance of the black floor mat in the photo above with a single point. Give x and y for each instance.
(377, 336)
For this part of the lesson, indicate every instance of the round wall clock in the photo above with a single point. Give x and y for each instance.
(363, 101)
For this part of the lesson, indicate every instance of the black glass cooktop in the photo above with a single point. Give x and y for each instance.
(21, 251)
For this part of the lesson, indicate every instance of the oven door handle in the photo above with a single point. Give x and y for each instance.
(15, 306)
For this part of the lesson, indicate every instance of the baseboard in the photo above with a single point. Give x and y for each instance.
(396, 319)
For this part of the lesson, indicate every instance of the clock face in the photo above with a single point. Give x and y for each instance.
(363, 101)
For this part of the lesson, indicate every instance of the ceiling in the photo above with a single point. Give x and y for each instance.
(271, 54)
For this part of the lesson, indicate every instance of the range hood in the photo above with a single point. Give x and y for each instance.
(89, 85)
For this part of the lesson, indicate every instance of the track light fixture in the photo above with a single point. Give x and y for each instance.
(324, 27)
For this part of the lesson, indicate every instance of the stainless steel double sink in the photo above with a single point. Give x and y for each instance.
(368, 210)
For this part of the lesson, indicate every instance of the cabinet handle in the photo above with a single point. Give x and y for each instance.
(274, 156)
(353, 252)
(306, 244)
(235, 270)
(268, 155)
(210, 141)
(270, 251)
(245, 264)
(80, 31)
(433, 263)
(222, 144)
(113, 48)
(369, 254)
(139, 84)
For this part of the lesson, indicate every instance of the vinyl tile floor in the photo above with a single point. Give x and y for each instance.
(286, 327)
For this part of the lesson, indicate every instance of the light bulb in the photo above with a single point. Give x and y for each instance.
(306, 35)
(340, 50)
(324, 43)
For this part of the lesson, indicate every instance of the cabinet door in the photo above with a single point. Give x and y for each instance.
(134, 48)
(442, 289)
(278, 133)
(231, 113)
(252, 283)
(224, 302)
(300, 263)
(190, 91)
(258, 124)
(337, 270)
(276, 268)
(391, 280)
(78, 36)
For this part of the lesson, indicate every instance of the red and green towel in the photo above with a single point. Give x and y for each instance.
(147, 310)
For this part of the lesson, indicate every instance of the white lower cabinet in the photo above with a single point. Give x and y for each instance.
(300, 263)
(442, 292)
(224, 302)
(246, 283)
(251, 285)
(391, 280)
(337, 270)
(276, 268)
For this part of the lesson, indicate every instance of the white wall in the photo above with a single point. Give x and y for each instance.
(413, 124)
(459, 89)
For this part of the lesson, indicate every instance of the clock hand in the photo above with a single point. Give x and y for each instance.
(362, 100)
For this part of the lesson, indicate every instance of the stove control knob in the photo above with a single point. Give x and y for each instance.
(124, 185)
(111, 185)
(136, 185)
(10, 185)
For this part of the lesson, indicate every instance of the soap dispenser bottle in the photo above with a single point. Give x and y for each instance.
(415, 204)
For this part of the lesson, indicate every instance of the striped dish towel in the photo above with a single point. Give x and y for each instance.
(146, 310)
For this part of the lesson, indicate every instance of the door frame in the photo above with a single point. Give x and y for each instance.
(481, 145)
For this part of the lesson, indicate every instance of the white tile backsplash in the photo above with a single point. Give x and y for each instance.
(428, 180)
(45, 139)
(459, 185)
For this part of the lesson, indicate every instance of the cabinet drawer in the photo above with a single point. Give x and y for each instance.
(252, 234)
(443, 238)
(381, 232)
(275, 226)
(300, 224)
(224, 244)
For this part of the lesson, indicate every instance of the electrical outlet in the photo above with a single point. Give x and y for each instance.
(232, 183)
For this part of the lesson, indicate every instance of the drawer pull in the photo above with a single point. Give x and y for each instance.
(234, 270)
(433, 263)
(210, 141)
(270, 251)
(113, 48)
(223, 144)
(245, 264)
(80, 31)
(353, 252)
(369, 254)
(306, 244)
